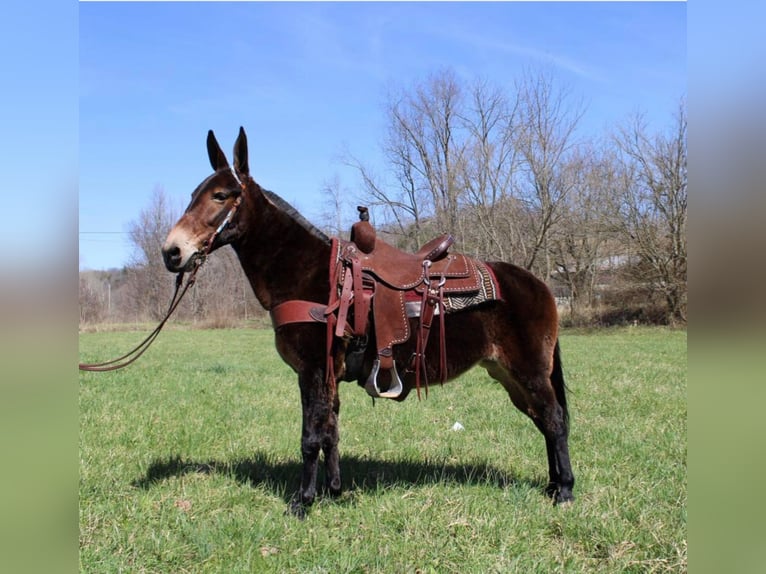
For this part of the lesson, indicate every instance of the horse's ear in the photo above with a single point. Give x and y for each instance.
(240, 153)
(214, 152)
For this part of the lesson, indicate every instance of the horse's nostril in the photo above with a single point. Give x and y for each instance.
(172, 255)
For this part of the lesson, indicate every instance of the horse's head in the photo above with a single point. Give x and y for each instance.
(210, 220)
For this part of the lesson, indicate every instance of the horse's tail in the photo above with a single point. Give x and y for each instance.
(559, 386)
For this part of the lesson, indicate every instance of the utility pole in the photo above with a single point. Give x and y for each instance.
(108, 297)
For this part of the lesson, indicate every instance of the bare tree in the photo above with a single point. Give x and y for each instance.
(545, 138)
(490, 163)
(150, 283)
(93, 300)
(424, 147)
(579, 242)
(510, 176)
(430, 120)
(402, 201)
(480, 163)
(335, 221)
(653, 207)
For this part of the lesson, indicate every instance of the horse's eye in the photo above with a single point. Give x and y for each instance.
(219, 196)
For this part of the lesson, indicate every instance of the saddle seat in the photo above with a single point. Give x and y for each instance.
(403, 271)
(400, 269)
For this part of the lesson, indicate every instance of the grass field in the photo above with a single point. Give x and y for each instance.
(189, 457)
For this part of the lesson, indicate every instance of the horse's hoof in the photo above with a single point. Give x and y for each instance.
(551, 491)
(333, 488)
(297, 509)
(563, 499)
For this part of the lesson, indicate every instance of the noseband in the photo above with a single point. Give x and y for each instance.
(178, 294)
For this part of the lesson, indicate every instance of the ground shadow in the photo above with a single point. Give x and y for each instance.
(358, 474)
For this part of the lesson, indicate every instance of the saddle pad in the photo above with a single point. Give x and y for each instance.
(488, 290)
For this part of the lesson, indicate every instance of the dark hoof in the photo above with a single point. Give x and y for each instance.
(551, 491)
(563, 498)
(297, 509)
(333, 491)
(559, 495)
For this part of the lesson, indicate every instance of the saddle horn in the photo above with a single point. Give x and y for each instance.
(362, 232)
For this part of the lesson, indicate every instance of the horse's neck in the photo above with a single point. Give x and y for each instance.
(280, 257)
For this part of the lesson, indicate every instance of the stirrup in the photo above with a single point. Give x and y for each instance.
(371, 386)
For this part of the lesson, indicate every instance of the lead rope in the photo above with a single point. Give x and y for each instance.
(139, 350)
(136, 352)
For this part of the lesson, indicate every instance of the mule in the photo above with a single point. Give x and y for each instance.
(286, 258)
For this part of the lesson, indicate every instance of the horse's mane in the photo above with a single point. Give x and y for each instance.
(282, 205)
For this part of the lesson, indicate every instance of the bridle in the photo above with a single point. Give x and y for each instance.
(178, 294)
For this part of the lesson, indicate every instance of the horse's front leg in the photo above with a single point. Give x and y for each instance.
(330, 449)
(320, 432)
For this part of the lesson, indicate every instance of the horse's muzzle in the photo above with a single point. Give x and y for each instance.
(175, 261)
(172, 258)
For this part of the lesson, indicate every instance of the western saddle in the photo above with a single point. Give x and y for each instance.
(379, 289)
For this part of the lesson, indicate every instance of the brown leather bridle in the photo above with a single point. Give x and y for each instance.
(178, 294)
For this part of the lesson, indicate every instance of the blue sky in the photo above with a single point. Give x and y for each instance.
(308, 80)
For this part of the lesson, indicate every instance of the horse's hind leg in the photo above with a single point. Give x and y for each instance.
(560, 483)
(534, 396)
(320, 432)
(550, 418)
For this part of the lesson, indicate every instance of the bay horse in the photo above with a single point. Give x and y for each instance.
(286, 258)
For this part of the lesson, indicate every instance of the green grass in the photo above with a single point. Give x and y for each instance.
(189, 457)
